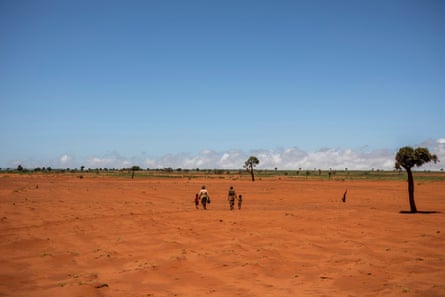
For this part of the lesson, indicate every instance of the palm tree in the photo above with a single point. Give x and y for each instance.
(407, 157)
(250, 164)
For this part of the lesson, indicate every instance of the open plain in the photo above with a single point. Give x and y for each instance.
(61, 235)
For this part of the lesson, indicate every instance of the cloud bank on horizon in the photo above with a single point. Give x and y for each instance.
(291, 158)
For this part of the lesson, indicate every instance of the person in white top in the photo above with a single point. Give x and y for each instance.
(204, 197)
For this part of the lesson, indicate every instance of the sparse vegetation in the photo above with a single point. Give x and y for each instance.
(237, 174)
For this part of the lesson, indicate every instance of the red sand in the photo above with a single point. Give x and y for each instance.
(103, 236)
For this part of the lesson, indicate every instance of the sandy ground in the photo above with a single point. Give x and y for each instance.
(103, 236)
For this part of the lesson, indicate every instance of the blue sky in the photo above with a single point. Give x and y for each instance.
(208, 83)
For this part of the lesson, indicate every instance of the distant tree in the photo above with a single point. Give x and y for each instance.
(20, 168)
(82, 168)
(407, 157)
(133, 169)
(250, 164)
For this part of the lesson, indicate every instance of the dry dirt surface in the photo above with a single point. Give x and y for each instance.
(107, 236)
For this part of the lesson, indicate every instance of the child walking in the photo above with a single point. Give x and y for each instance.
(197, 201)
(240, 201)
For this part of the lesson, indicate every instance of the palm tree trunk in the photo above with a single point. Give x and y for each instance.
(412, 203)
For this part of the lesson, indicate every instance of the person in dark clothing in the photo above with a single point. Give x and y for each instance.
(231, 196)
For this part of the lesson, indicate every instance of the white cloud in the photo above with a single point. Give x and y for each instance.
(109, 161)
(64, 160)
(294, 158)
(283, 159)
(96, 162)
(291, 158)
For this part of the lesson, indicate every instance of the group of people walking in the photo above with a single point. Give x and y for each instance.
(204, 197)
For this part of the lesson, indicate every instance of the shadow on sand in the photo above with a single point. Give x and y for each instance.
(419, 212)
